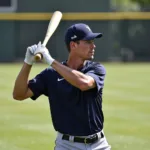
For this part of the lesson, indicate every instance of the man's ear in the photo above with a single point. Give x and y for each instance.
(73, 45)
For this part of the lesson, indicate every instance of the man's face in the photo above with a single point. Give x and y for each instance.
(85, 49)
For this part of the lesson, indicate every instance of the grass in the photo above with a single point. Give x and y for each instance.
(126, 103)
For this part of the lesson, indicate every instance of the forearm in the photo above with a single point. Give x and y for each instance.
(21, 83)
(74, 77)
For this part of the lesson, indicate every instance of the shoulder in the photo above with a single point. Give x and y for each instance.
(46, 72)
(49, 71)
(96, 66)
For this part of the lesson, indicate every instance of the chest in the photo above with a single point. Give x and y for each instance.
(59, 88)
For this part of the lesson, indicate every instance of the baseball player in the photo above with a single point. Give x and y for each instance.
(74, 89)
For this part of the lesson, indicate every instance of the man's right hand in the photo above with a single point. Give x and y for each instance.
(29, 57)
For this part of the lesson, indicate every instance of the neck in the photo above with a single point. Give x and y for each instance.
(75, 63)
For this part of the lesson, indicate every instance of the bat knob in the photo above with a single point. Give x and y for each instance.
(38, 57)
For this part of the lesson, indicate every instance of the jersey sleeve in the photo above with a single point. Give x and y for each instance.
(98, 72)
(38, 85)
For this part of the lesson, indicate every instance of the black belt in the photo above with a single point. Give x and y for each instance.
(92, 139)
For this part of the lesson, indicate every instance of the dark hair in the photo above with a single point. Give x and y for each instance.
(68, 45)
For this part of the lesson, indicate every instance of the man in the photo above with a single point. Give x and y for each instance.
(74, 89)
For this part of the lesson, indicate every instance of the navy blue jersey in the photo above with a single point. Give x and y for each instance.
(73, 111)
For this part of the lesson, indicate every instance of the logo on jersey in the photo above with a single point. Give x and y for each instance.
(60, 79)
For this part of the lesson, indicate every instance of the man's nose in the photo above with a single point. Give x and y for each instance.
(93, 45)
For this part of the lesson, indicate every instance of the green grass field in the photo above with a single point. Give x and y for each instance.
(27, 125)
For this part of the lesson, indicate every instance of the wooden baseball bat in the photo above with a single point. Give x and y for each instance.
(53, 24)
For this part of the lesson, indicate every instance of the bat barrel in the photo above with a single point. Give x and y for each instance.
(54, 22)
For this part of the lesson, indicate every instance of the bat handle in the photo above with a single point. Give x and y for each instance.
(38, 57)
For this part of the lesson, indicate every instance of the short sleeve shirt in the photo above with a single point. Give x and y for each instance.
(73, 111)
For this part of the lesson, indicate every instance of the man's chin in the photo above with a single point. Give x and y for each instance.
(91, 58)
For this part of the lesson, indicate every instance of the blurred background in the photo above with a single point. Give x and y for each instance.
(124, 50)
(124, 23)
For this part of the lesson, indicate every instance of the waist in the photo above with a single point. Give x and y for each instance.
(81, 139)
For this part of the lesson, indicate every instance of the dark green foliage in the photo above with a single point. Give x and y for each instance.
(142, 2)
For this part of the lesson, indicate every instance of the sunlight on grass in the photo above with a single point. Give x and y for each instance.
(126, 103)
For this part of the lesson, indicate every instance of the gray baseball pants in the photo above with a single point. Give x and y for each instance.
(61, 144)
